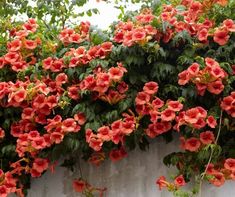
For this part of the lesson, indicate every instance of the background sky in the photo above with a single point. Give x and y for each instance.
(108, 12)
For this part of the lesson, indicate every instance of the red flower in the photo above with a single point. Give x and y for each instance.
(79, 185)
(183, 77)
(39, 143)
(192, 115)
(122, 87)
(30, 44)
(57, 66)
(3, 191)
(19, 66)
(175, 106)
(61, 79)
(80, 118)
(229, 164)
(221, 36)
(28, 113)
(167, 115)
(46, 63)
(73, 92)
(192, 144)
(12, 57)
(75, 38)
(228, 104)
(157, 103)
(207, 137)
(193, 69)
(107, 46)
(40, 164)
(15, 45)
(57, 137)
(218, 178)
(142, 98)
(161, 182)
(211, 121)
(116, 73)
(138, 35)
(118, 154)
(96, 143)
(104, 133)
(202, 35)
(150, 87)
(119, 37)
(35, 173)
(2, 62)
(215, 87)
(229, 24)
(69, 125)
(2, 133)
(179, 181)
(128, 127)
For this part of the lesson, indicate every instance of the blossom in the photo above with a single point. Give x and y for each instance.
(215, 87)
(175, 106)
(218, 179)
(229, 24)
(229, 164)
(73, 92)
(211, 121)
(150, 87)
(161, 182)
(80, 118)
(142, 98)
(2, 133)
(40, 164)
(179, 181)
(221, 36)
(116, 73)
(3, 191)
(30, 44)
(167, 115)
(192, 144)
(202, 35)
(183, 77)
(117, 154)
(79, 185)
(228, 103)
(207, 137)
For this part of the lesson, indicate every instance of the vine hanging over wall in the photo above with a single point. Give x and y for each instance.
(97, 95)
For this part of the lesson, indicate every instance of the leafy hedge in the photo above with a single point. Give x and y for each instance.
(99, 94)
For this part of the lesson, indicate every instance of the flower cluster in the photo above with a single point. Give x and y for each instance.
(129, 33)
(209, 78)
(20, 50)
(161, 115)
(228, 104)
(103, 84)
(178, 182)
(78, 57)
(114, 132)
(217, 174)
(77, 35)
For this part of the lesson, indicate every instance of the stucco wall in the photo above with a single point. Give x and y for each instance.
(134, 176)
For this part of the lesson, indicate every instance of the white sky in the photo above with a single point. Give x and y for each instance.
(107, 15)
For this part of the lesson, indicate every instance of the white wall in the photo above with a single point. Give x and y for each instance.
(133, 176)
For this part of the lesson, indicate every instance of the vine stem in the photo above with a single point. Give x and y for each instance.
(80, 168)
(211, 155)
